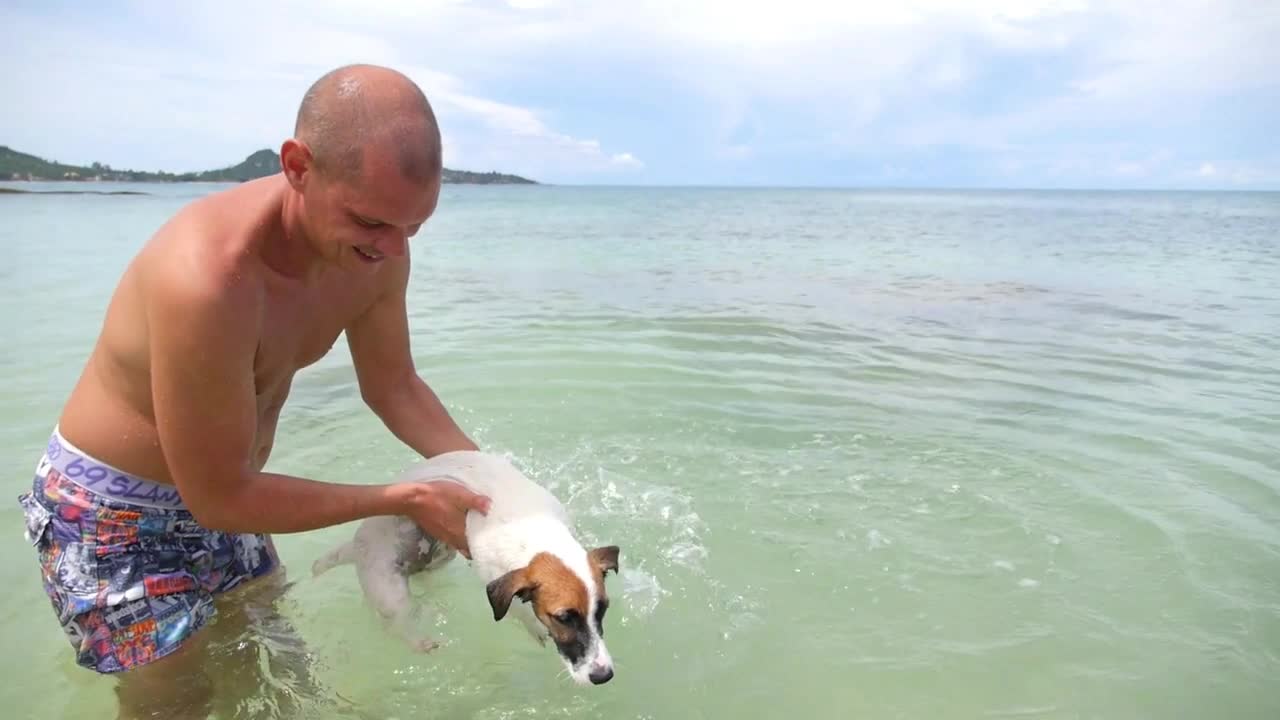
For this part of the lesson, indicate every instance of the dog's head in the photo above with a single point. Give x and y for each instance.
(568, 597)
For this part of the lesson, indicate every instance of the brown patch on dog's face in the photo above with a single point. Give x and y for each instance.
(561, 600)
(555, 590)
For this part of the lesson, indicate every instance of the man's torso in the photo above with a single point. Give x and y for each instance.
(109, 413)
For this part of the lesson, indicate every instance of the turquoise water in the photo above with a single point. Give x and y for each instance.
(867, 454)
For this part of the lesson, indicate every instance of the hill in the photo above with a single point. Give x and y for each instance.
(16, 165)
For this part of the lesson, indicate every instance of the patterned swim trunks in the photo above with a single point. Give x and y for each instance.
(130, 573)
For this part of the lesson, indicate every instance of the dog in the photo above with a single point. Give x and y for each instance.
(522, 549)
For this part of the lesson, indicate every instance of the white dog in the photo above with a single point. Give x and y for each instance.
(523, 548)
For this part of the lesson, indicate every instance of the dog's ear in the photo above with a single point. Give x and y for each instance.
(506, 587)
(605, 558)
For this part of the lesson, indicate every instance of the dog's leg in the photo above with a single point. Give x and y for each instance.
(340, 555)
(410, 627)
(388, 592)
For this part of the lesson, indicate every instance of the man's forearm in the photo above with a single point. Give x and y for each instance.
(415, 415)
(277, 503)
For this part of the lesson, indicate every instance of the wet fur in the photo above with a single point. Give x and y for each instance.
(386, 552)
(532, 566)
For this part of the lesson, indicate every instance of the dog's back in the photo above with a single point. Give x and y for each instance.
(513, 496)
(524, 518)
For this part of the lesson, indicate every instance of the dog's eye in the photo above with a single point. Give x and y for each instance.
(568, 617)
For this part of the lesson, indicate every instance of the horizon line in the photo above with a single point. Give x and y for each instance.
(752, 186)
(740, 186)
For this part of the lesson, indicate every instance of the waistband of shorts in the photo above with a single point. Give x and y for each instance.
(104, 480)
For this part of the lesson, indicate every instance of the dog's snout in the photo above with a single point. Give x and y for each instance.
(601, 675)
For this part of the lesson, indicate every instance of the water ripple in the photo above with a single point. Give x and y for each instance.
(992, 444)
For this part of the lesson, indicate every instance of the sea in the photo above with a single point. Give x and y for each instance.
(867, 453)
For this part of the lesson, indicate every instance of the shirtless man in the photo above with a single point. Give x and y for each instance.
(151, 500)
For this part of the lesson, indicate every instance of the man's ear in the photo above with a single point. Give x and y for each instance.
(605, 558)
(296, 161)
(506, 587)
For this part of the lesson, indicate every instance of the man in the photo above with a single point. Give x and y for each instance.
(151, 500)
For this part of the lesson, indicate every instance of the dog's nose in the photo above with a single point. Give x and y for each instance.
(600, 676)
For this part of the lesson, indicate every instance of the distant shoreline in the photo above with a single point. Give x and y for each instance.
(21, 191)
(18, 166)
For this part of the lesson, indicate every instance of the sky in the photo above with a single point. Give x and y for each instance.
(913, 93)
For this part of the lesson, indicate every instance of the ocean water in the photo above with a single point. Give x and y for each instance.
(868, 454)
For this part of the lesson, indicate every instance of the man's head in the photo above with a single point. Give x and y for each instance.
(366, 161)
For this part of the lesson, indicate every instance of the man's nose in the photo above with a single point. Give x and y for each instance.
(601, 675)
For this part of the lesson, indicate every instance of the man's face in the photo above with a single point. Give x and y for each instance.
(360, 221)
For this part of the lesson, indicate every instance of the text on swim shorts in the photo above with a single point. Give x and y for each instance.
(121, 486)
(77, 466)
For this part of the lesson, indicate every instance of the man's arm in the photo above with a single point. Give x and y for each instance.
(389, 382)
(204, 336)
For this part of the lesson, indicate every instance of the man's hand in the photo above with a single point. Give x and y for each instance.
(440, 508)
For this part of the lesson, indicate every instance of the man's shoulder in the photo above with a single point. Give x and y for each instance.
(198, 259)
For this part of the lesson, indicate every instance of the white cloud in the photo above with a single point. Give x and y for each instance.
(848, 65)
(759, 80)
(1233, 174)
(626, 160)
(243, 89)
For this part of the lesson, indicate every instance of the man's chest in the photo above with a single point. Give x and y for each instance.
(299, 328)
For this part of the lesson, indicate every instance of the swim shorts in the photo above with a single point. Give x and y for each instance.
(130, 573)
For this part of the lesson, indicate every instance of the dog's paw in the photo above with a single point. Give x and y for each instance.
(424, 644)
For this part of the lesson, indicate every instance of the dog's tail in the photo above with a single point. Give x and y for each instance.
(340, 555)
